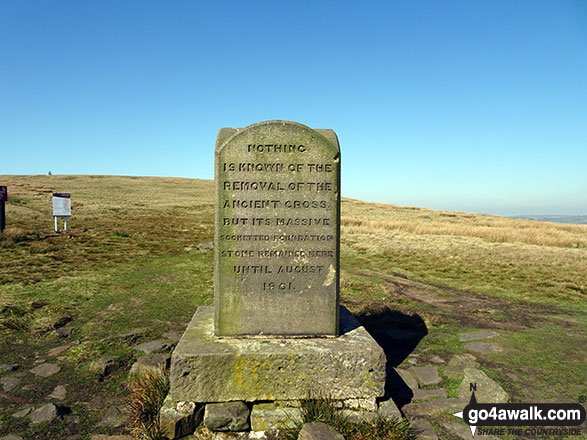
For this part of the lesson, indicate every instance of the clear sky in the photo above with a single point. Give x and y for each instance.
(476, 106)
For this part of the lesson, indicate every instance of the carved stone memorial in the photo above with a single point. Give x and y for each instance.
(276, 331)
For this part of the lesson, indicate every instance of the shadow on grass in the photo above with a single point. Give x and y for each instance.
(398, 334)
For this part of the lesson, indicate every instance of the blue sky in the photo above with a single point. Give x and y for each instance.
(476, 106)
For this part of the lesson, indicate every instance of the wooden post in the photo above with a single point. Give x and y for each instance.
(2, 216)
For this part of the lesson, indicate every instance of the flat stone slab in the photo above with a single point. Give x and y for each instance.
(319, 431)
(206, 368)
(488, 391)
(153, 346)
(439, 393)
(9, 383)
(434, 407)
(463, 431)
(46, 370)
(268, 417)
(426, 375)
(458, 363)
(424, 430)
(481, 334)
(483, 347)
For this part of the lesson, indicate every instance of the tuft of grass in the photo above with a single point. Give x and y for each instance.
(146, 395)
(324, 410)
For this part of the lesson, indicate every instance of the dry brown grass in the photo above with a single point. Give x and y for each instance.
(377, 218)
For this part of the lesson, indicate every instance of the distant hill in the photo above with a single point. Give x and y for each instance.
(579, 219)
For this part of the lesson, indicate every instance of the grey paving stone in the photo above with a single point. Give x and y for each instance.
(481, 334)
(426, 375)
(483, 347)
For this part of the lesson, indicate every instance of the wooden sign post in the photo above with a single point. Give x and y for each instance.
(3, 198)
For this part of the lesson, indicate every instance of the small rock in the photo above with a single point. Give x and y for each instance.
(424, 430)
(208, 245)
(481, 334)
(426, 375)
(437, 360)
(9, 382)
(457, 364)
(389, 410)
(150, 362)
(179, 420)
(22, 413)
(105, 365)
(227, 416)
(11, 437)
(359, 416)
(150, 347)
(268, 417)
(430, 394)
(318, 431)
(488, 391)
(434, 407)
(513, 377)
(483, 347)
(114, 416)
(408, 378)
(8, 367)
(47, 413)
(58, 350)
(46, 370)
(58, 393)
(64, 332)
(172, 336)
(133, 334)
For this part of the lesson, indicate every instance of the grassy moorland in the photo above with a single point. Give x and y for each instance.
(123, 265)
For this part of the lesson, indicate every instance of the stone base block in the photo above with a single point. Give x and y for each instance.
(206, 368)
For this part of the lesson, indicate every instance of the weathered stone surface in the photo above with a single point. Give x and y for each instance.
(181, 419)
(408, 378)
(45, 413)
(105, 365)
(424, 430)
(23, 413)
(172, 336)
(388, 410)
(277, 189)
(115, 416)
(426, 375)
(267, 417)
(226, 416)
(204, 246)
(11, 437)
(366, 404)
(318, 431)
(8, 367)
(488, 391)
(457, 364)
(58, 350)
(150, 362)
(9, 382)
(483, 347)
(152, 346)
(359, 416)
(434, 407)
(429, 394)
(64, 332)
(205, 368)
(59, 393)
(481, 334)
(46, 370)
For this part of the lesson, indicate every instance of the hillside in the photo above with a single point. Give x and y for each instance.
(130, 260)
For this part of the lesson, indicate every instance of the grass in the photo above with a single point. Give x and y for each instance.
(325, 411)
(146, 396)
(123, 265)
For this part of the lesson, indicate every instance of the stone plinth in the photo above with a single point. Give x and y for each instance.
(206, 368)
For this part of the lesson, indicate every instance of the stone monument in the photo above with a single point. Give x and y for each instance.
(276, 332)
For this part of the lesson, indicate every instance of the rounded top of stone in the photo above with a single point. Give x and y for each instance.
(227, 134)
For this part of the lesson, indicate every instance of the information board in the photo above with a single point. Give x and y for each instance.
(61, 205)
